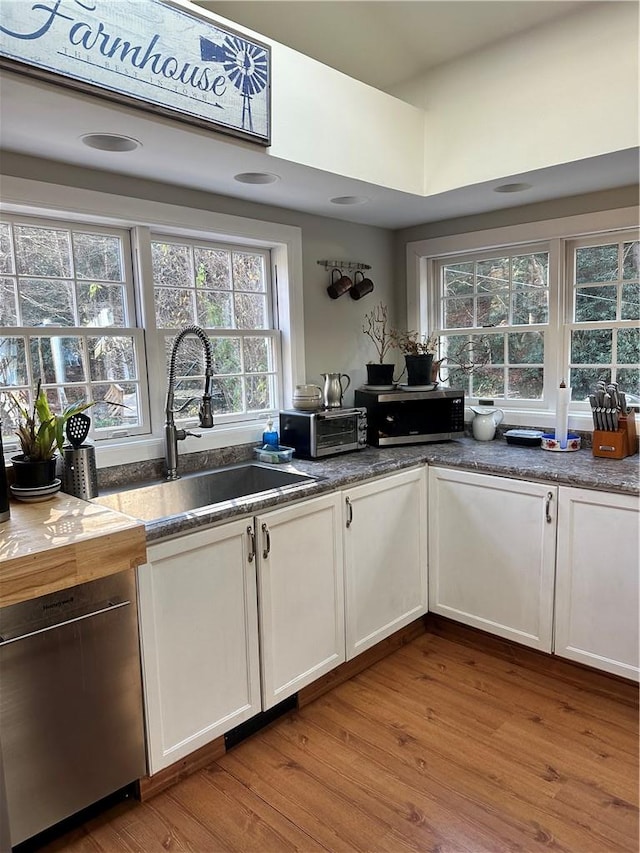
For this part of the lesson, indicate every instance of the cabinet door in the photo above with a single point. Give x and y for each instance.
(199, 631)
(385, 547)
(301, 599)
(492, 554)
(597, 580)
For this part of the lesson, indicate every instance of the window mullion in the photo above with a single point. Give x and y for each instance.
(558, 338)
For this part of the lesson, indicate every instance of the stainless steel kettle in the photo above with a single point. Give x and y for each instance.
(333, 389)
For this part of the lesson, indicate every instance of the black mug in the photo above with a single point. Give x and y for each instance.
(339, 284)
(362, 287)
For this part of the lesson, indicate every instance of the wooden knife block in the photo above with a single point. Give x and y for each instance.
(616, 444)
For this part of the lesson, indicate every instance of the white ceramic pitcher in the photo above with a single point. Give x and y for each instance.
(485, 421)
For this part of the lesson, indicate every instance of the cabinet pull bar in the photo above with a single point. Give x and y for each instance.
(547, 507)
(350, 510)
(267, 541)
(252, 543)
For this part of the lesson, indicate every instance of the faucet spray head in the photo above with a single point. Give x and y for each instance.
(206, 408)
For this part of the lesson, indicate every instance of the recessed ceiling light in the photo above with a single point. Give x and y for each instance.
(349, 199)
(512, 188)
(110, 142)
(256, 178)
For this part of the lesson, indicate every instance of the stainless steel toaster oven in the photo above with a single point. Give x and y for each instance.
(317, 434)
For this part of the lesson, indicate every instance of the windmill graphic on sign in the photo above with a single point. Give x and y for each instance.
(246, 67)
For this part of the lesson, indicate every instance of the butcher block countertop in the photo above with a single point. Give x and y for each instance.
(62, 542)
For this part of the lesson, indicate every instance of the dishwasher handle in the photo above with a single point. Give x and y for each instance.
(108, 609)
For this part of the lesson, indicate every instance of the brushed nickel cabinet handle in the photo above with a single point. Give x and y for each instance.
(547, 507)
(350, 511)
(266, 538)
(252, 543)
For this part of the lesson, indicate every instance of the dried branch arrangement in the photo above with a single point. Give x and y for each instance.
(412, 343)
(376, 327)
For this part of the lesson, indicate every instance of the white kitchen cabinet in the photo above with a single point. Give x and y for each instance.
(596, 619)
(385, 557)
(492, 554)
(300, 593)
(199, 637)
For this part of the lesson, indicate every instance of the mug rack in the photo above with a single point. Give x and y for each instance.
(344, 265)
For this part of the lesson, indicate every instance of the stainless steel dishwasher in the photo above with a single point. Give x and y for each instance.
(71, 722)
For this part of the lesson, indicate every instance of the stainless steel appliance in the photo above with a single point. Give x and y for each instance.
(317, 434)
(405, 416)
(71, 724)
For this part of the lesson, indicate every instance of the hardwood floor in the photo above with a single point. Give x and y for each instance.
(442, 746)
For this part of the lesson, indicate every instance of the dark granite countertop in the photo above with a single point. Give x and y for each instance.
(579, 469)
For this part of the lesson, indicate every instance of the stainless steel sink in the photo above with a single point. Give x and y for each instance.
(195, 491)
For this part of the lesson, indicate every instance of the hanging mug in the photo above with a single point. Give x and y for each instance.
(362, 287)
(339, 284)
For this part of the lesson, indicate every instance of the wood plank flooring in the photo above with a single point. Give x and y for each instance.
(442, 746)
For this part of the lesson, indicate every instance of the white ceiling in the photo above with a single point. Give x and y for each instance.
(47, 121)
(387, 42)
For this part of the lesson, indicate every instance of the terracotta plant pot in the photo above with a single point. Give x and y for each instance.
(30, 475)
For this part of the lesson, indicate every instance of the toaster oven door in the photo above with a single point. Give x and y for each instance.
(336, 434)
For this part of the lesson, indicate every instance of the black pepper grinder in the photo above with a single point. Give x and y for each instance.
(4, 487)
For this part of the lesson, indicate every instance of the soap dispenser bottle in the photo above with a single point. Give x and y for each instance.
(270, 438)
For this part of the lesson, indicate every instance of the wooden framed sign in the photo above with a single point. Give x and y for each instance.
(146, 53)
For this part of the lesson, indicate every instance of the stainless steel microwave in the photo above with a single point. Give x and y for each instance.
(317, 434)
(404, 416)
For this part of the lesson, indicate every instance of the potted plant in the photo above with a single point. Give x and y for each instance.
(418, 354)
(376, 328)
(40, 432)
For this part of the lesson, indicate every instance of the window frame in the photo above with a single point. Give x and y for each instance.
(130, 329)
(24, 197)
(436, 313)
(270, 331)
(421, 281)
(570, 325)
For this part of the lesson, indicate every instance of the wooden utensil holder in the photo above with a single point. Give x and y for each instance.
(616, 444)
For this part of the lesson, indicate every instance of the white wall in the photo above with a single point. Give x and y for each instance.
(334, 340)
(324, 119)
(329, 121)
(559, 93)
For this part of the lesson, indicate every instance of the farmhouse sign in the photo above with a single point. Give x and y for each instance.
(146, 53)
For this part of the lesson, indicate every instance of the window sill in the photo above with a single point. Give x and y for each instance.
(536, 419)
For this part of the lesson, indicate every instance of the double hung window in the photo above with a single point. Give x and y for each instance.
(225, 290)
(603, 311)
(71, 318)
(493, 312)
(67, 321)
(514, 321)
